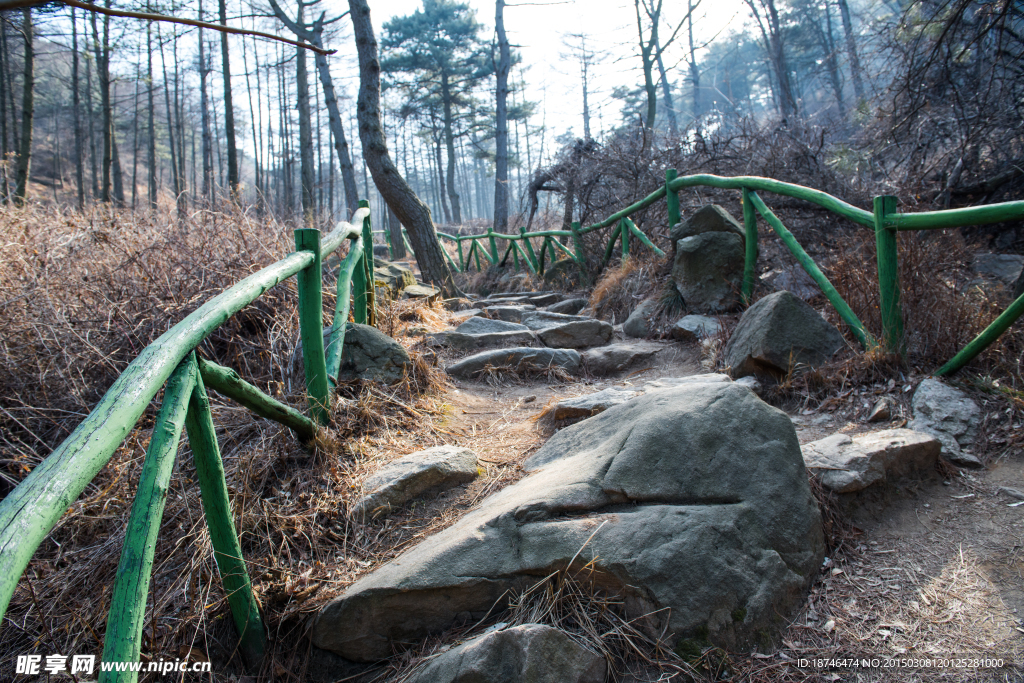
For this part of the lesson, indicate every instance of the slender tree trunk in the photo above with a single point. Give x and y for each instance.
(501, 129)
(851, 47)
(647, 61)
(104, 82)
(305, 131)
(21, 171)
(831, 59)
(412, 212)
(666, 92)
(5, 85)
(256, 145)
(440, 179)
(205, 113)
(151, 123)
(449, 140)
(15, 143)
(75, 104)
(135, 131)
(229, 111)
(698, 109)
(177, 160)
(93, 156)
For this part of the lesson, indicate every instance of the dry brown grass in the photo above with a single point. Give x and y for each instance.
(621, 288)
(80, 297)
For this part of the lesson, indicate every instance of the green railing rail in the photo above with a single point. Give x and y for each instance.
(884, 220)
(31, 510)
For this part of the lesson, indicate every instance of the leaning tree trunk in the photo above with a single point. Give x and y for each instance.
(501, 129)
(412, 212)
(75, 100)
(27, 107)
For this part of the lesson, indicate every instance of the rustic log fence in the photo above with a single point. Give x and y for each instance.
(31, 510)
(884, 220)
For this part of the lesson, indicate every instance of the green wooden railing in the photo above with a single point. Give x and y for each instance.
(884, 220)
(31, 510)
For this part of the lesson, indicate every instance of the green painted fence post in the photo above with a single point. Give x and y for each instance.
(311, 303)
(624, 231)
(369, 264)
(217, 509)
(342, 304)
(462, 259)
(126, 617)
(577, 243)
(515, 254)
(494, 244)
(888, 277)
(750, 242)
(672, 198)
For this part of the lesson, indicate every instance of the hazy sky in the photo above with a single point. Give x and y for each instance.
(538, 29)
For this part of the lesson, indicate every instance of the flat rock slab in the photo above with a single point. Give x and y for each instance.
(538, 320)
(479, 325)
(581, 407)
(470, 342)
(608, 360)
(578, 334)
(545, 299)
(693, 328)
(431, 470)
(846, 464)
(420, 291)
(531, 653)
(777, 331)
(692, 504)
(949, 415)
(569, 306)
(509, 313)
(464, 315)
(689, 380)
(519, 360)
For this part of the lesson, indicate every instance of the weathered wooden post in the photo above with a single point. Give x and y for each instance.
(462, 259)
(750, 258)
(672, 198)
(217, 509)
(314, 362)
(888, 277)
(369, 264)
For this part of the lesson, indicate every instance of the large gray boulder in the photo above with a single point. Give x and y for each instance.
(368, 353)
(519, 360)
(710, 218)
(778, 330)
(531, 653)
(607, 360)
(413, 476)
(638, 324)
(569, 306)
(846, 464)
(793, 279)
(478, 325)
(1004, 268)
(691, 504)
(578, 334)
(538, 320)
(708, 271)
(949, 415)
